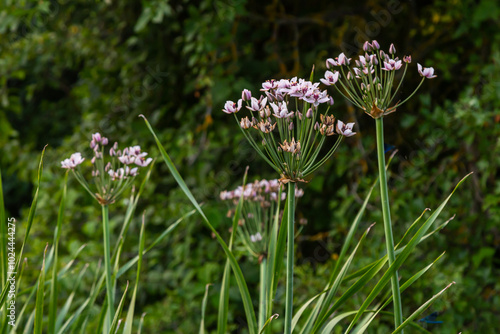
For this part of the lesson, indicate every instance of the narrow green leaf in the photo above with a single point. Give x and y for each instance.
(67, 305)
(240, 280)
(116, 318)
(403, 287)
(325, 301)
(203, 309)
(29, 223)
(403, 256)
(39, 297)
(141, 323)
(338, 280)
(273, 317)
(54, 282)
(421, 309)
(226, 277)
(127, 329)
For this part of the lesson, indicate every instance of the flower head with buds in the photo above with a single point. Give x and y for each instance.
(260, 205)
(374, 74)
(111, 175)
(288, 135)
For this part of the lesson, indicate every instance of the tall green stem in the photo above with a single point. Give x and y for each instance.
(386, 212)
(262, 293)
(107, 264)
(289, 257)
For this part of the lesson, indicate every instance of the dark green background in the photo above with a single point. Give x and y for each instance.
(71, 68)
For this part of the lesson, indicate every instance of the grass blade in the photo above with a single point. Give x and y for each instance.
(226, 277)
(240, 280)
(39, 297)
(421, 309)
(273, 317)
(203, 309)
(127, 329)
(116, 318)
(31, 217)
(67, 305)
(54, 281)
(402, 257)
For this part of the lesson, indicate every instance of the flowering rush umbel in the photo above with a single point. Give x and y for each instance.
(260, 200)
(112, 173)
(289, 125)
(367, 82)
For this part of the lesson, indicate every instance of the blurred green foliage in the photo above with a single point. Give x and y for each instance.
(71, 68)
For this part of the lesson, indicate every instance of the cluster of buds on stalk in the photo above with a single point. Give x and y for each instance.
(289, 128)
(367, 82)
(112, 173)
(260, 203)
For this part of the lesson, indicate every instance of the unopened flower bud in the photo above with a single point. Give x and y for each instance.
(367, 46)
(316, 126)
(375, 45)
(245, 123)
(246, 95)
(330, 101)
(392, 49)
(290, 127)
(309, 113)
(108, 166)
(92, 160)
(104, 141)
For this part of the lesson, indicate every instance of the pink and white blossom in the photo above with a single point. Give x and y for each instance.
(73, 161)
(345, 129)
(331, 78)
(427, 72)
(231, 107)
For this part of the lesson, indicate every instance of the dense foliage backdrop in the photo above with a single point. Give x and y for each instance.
(71, 68)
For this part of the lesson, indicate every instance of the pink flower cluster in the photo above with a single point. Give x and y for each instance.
(262, 191)
(130, 155)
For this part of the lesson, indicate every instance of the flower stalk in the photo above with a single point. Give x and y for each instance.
(386, 213)
(262, 293)
(107, 264)
(290, 258)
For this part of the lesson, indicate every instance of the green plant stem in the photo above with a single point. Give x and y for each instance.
(289, 257)
(262, 293)
(107, 263)
(386, 212)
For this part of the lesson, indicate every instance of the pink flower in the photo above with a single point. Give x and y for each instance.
(427, 72)
(280, 110)
(343, 60)
(345, 129)
(392, 64)
(331, 62)
(317, 97)
(330, 78)
(256, 105)
(231, 107)
(73, 161)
